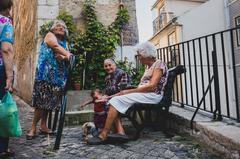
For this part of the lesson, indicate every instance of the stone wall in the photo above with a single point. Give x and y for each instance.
(25, 24)
(130, 34)
(106, 12)
(47, 10)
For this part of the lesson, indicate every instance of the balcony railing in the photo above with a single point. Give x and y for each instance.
(161, 21)
(211, 82)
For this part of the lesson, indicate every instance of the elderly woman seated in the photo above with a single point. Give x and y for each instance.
(150, 90)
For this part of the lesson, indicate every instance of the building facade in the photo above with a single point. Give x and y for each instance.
(166, 28)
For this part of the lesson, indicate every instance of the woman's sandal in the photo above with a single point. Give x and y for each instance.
(44, 132)
(96, 141)
(118, 138)
(32, 136)
(7, 153)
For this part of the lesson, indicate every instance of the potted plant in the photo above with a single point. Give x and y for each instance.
(77, 84)
(76, 75)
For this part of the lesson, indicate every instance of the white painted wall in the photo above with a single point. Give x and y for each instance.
(205, 19)
(179, 7)
(127, 51)
(208, 18)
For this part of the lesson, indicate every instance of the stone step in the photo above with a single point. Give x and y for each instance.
(76, 98)
(223, 137)
(78, 117)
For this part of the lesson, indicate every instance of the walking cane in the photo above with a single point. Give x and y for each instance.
(63, 107)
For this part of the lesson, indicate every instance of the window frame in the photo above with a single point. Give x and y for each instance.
(237, 24)
(172, 34)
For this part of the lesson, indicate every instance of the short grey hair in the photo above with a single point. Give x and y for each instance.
(56, 22)
(147, 49)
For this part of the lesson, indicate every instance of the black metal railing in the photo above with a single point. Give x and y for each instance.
(211, 81)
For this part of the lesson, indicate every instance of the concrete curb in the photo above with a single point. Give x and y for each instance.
(221, 137)
(78, 117)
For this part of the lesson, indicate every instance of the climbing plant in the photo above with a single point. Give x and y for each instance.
(99, 42)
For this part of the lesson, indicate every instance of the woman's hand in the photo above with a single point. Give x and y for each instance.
(60, 57)
(68, 56)
(9, 84)
(63, 57)
(120, 93)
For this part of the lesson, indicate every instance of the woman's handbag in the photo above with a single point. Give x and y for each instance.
(9, 120)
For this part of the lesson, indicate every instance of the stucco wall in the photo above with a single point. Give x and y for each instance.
(234, 11)
(181, 7)
(204, 19)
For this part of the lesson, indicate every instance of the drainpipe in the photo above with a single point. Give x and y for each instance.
(121, 5)
(227, 14)
(228, 45)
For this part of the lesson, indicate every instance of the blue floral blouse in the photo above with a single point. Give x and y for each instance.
(6, 33)
(49, 69)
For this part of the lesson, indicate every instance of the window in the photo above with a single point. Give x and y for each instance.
(172, 50)
(237, 20)
(172, 38)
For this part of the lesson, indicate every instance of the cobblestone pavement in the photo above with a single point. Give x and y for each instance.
(151, 145)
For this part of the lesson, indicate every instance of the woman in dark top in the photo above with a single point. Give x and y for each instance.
(116, 80)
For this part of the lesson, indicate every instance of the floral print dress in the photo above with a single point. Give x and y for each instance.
(50, 79)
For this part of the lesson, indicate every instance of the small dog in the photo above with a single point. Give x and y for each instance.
(89, 130)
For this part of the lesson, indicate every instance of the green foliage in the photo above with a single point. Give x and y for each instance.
(45, 28)
(100, 42)
(68, 19)
(135, 73)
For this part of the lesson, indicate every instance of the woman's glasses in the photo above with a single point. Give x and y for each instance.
(108, 65)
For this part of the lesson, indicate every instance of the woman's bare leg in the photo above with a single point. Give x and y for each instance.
(43, 124)
(118, 126)
(36, 118)
(112, 116)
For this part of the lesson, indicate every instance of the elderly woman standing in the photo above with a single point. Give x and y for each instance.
(51, 76)
(6, 60)
(150, 89)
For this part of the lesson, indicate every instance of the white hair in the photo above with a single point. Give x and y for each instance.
(110, 60)
(147, 49)
(56, 22)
